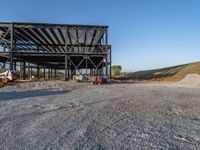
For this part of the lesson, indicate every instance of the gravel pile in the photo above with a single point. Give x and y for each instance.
(114, 116)
(191, 80)
(49, 84)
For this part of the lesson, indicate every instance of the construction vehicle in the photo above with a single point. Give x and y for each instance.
(98, 80)
(6, 76)
(91, 79)
(80, 78)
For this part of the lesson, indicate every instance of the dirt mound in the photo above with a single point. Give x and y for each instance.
(191, 80)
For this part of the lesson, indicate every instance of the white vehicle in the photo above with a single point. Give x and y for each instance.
(6, 76)
(79, 78)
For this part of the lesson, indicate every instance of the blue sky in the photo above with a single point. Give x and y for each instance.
(145, 34)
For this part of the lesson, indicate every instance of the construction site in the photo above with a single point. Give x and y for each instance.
(42, 107)
(50, 48)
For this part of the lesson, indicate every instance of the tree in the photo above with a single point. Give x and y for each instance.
(116, 70)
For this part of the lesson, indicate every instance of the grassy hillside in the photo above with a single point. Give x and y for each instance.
(171, 73)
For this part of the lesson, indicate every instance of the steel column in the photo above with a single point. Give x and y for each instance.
(55, 73)
(49, 73)
(31, 71)
(4, 64)
(15, 66)
(11, 45)
(20, 69)
(38, 71)
(110, 62)
(24, 70)
(66, 67)
(107, 56)
(86, 62)
(44, 73)
(66, 56)
(107, 65)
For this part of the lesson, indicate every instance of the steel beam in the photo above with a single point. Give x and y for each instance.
(93, 38)
(50, 39)
(56, 38)
(61, 35)
(47, 25)
(76, 67)
(70, 39)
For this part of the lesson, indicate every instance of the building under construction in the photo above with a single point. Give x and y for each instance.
(41, 47)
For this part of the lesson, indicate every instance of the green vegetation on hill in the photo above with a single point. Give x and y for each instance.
(175, 72)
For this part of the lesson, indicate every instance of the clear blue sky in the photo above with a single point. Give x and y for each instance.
(145, 34)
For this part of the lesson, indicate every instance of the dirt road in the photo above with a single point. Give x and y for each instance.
(42, 115)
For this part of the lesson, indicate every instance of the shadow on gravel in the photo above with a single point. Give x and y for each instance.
(27, 94)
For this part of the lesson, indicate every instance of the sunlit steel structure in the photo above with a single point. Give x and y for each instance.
(72, 48)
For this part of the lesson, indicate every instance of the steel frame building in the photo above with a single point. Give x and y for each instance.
(72, 48)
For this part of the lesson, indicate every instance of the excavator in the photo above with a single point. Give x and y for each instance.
(6, 76)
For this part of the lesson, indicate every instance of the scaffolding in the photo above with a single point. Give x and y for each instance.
(72, 48)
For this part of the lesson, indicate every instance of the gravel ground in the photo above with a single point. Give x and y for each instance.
(64, 115)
